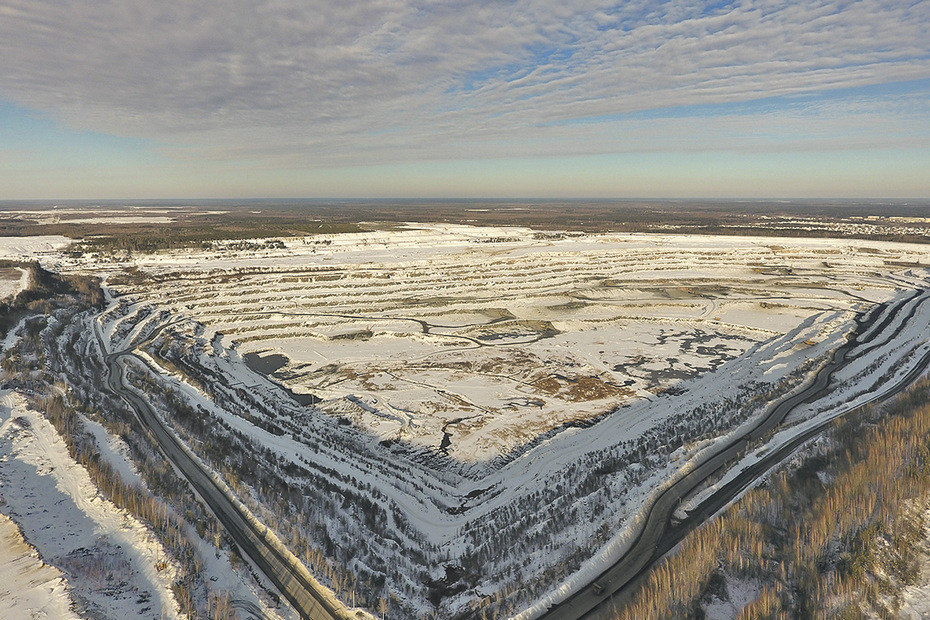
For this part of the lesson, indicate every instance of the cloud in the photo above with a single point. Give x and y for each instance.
(317, 83)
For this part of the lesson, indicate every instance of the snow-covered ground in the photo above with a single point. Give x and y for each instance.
(44, 247)
(12, 281)
(861, 382)
(29, 588)
(476, 340)
(916, 597)
(462, 369)
(127, 214)
(111, 556)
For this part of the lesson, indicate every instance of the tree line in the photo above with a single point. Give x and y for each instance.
(836, 537)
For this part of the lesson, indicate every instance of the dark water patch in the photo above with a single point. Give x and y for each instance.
(265, 363)
(302, 399)
(268, 364)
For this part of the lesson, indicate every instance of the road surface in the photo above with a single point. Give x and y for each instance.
(659, 533)
(307, 598)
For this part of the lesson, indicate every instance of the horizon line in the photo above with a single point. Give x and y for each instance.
(491, 199)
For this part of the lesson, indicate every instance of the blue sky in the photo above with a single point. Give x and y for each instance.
(543, 98)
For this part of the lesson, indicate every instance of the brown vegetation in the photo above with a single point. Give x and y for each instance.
(815, 550)
(581, 388)
(47, 348)
(46, 291)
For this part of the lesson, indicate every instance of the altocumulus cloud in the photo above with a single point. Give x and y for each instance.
(320, 83)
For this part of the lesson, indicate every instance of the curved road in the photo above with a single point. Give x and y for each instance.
(659, 533)
(281, 568)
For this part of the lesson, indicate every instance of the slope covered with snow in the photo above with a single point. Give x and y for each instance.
(501, 401)
(452, 418)
(111, 556)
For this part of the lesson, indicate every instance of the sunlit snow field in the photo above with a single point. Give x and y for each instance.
(476, 340)
(491, 389)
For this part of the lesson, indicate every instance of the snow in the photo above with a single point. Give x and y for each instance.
(117, 220)
(216, 563)
(915, 604)
(29, 588)
(10, 286)
(114, 450)
(633, 315)
(12, 335)
(32, 248)
(455, 331)
(852, 390)
(739, 594)
(123, 214)
(59, 510)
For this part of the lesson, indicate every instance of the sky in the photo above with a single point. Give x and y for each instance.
(460, 99)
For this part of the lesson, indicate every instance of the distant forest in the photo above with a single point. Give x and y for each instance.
(197, 226)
